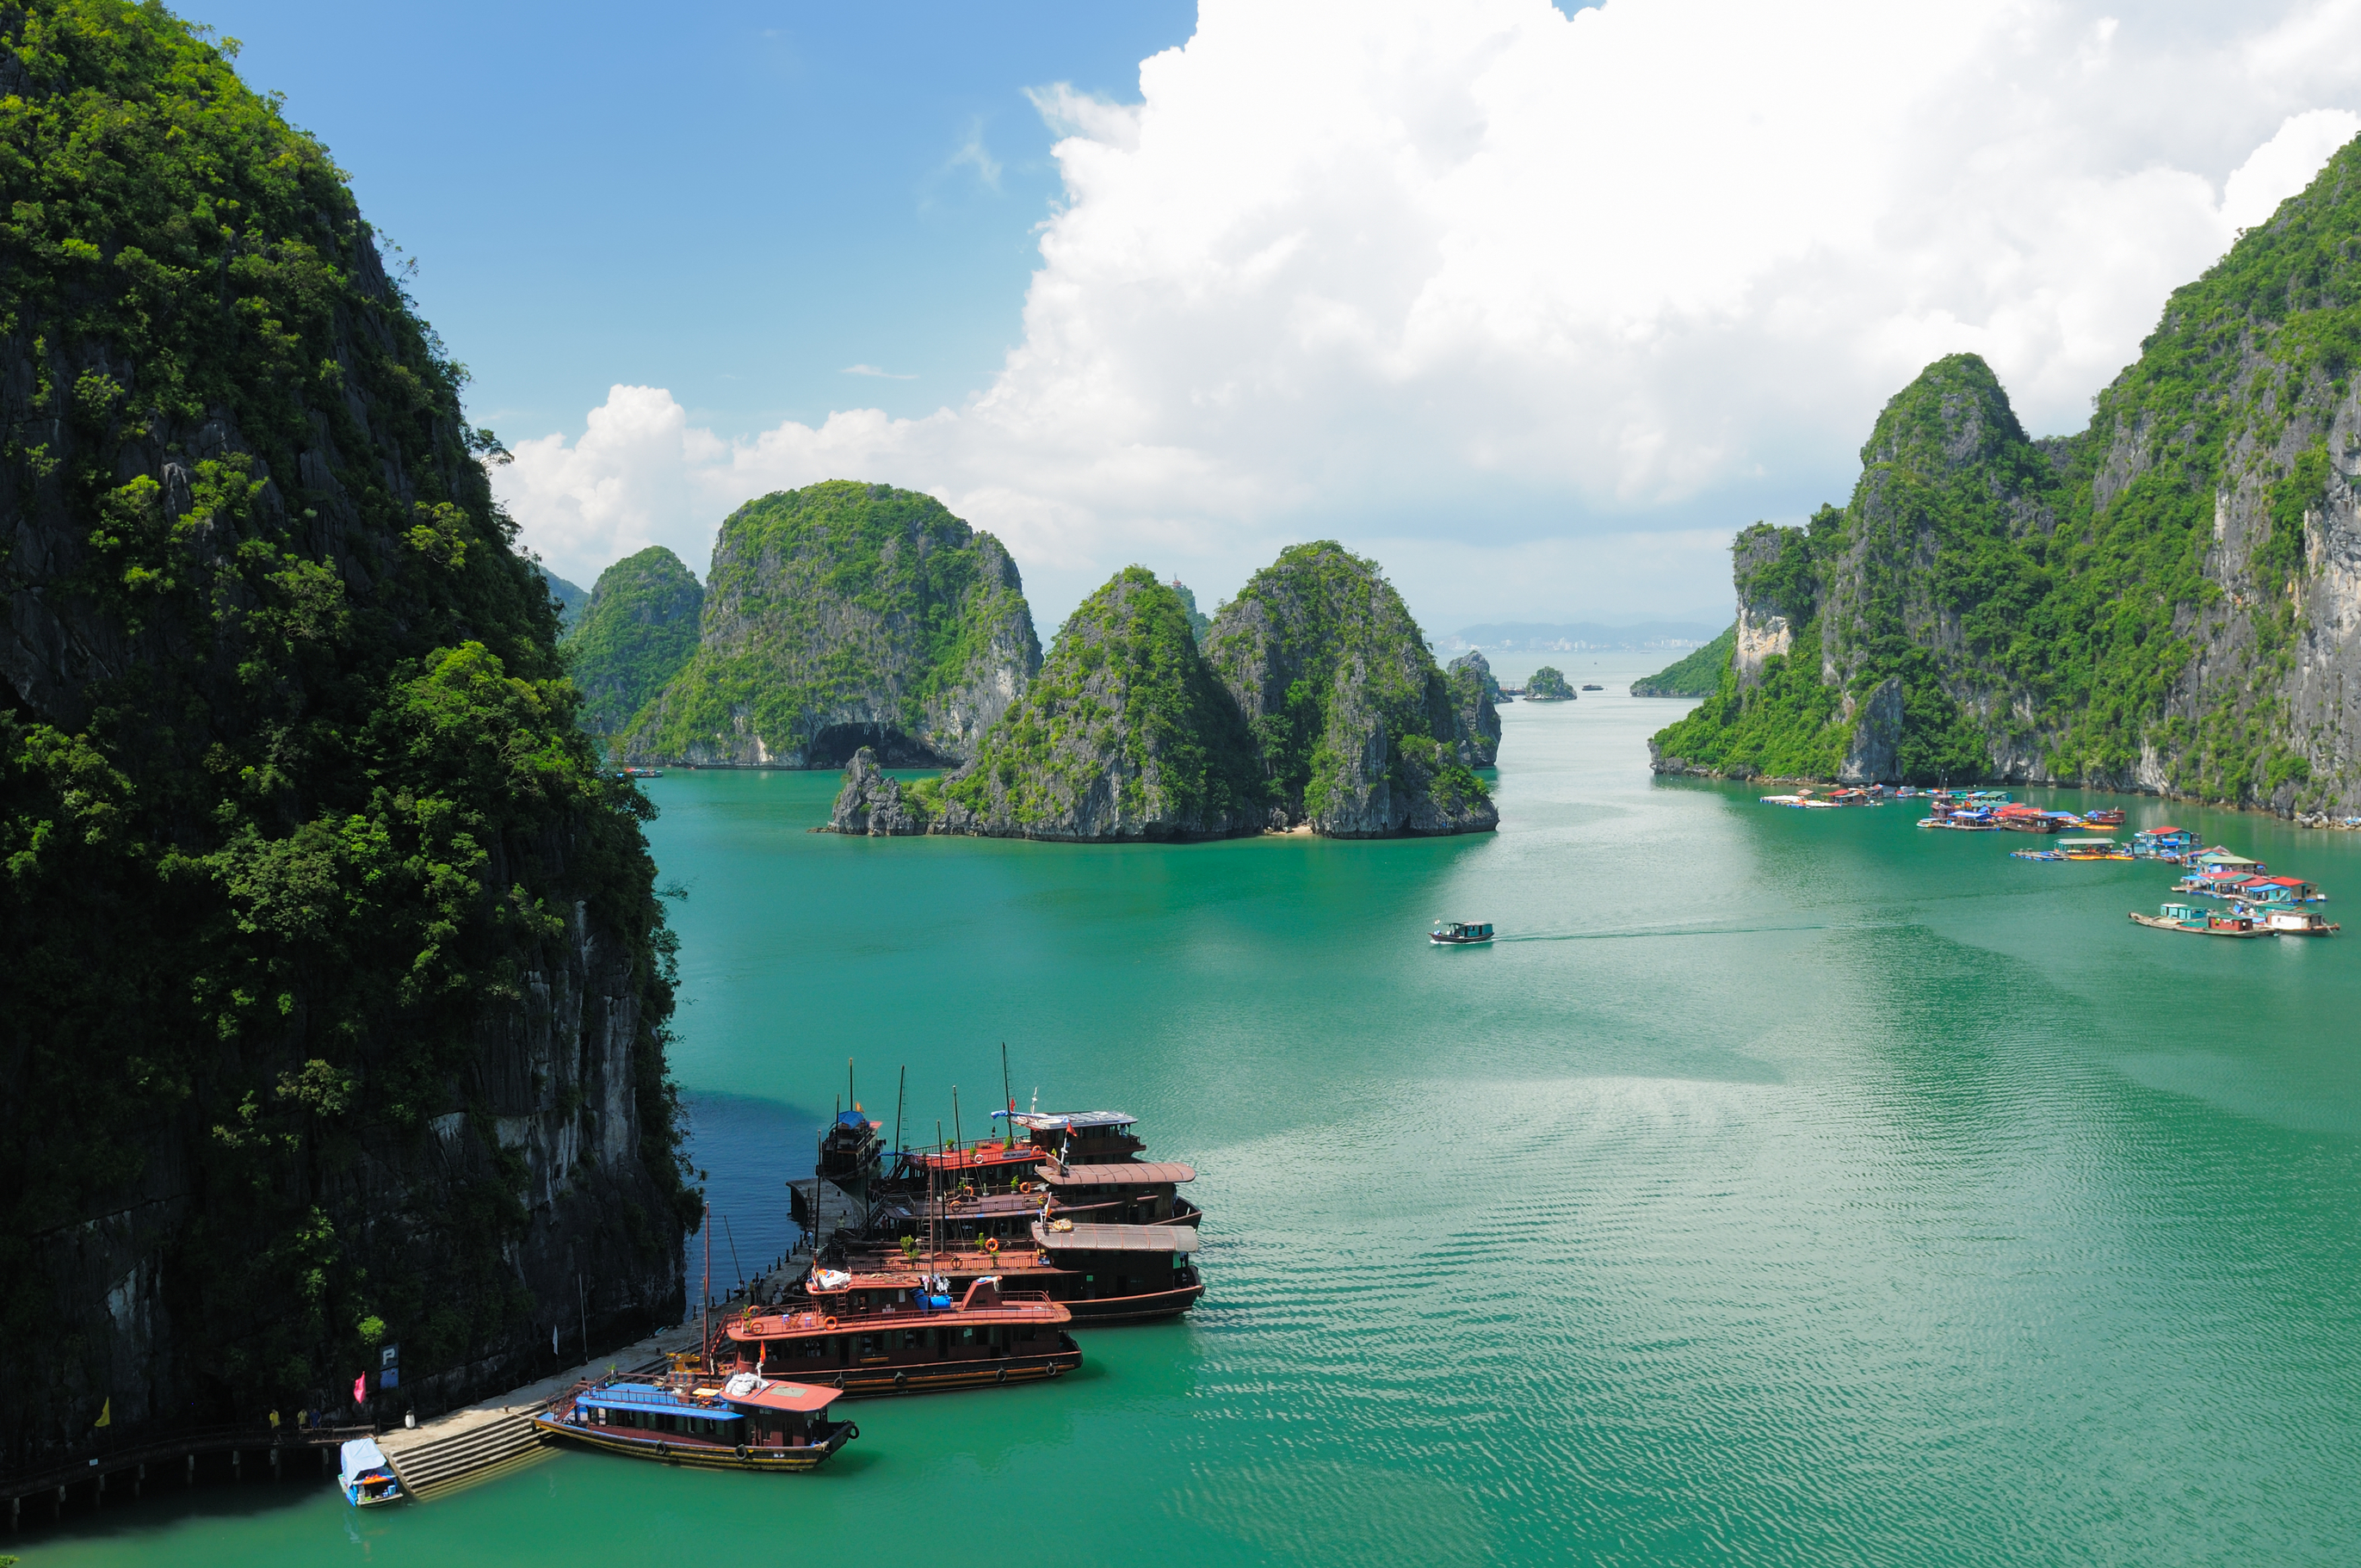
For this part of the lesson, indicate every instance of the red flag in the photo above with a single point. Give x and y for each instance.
(361, 1389)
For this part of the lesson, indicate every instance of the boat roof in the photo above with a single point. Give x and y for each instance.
(2160, 831)
(361, 1453)
(2224, 858)
(1182, 1239)
(797, 1398)
(1146, 1173)
(649, 1396)
(2275, 881)
(1051, 1121)
(856, 1121)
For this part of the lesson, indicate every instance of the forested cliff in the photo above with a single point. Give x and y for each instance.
(2167, 601)
(839, 616)
(337, 989)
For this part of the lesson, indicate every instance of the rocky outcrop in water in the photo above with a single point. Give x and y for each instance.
(840, 616)
(1314, 703)
(2168, 601)
(1473, 694)
(1124, 735)
(1356, 730)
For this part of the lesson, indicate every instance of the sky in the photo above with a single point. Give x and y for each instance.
(1534, 306)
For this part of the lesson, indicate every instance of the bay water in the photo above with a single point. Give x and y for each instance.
(1781, 1188)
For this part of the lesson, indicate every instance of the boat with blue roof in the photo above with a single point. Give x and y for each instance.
(741, 1421)
(365, 1475)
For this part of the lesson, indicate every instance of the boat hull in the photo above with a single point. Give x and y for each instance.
(2163, 925)
(670, 1448)
(1147, 1308)
(360, 1500)
(944, 1377)
(1459, 941)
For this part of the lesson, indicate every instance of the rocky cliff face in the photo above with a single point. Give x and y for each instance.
(337, 989)
(2167, 602)
(1358, 730)
(1473, 694)
(840, 616)
(636, 633)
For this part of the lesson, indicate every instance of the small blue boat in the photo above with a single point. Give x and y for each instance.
(367, 1477)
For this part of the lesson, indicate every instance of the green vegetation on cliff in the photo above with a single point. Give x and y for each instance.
(292, 793)
(1324, 659)
(2046, 605)
(846, 606)
(570, 599)
(1125, 732)
(1199, 622)
(638, 632)
(1698, 674)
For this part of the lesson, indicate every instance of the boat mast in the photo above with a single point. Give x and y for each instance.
(955, 1126)
(1008, 1095)
(932, 1243)
(705, 1308)
(899, 1091)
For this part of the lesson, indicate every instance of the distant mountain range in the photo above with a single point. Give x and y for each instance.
(1581, 635)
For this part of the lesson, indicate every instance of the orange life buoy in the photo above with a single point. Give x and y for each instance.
(828, 1322)
(1024, 1187)
(992, 1244)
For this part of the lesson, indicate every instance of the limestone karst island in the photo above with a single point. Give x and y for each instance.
(1225, 783)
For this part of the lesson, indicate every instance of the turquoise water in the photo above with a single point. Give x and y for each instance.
(1787, 1187)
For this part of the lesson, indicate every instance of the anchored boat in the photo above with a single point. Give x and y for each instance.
(365, 1476)
(745, 1421)
(1458, 934)
(883, 1335)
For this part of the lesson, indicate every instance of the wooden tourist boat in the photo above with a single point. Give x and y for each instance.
(1102, 1274)
(958, 1222)
(2199, 922)
(887, 1335)
(365, 1475)
(849, 1152)
(1459, 934)
(1145, 1192)
(1082, 1137)
(742, 1422)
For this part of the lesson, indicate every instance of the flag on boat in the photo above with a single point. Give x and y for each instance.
(360, 1389)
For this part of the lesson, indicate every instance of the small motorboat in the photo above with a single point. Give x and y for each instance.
(367, 1477)
(1594, 689)
(1458, 934)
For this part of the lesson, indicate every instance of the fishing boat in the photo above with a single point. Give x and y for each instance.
(2106, 817)
(873, 1334)
(1594, 689)
(2283, 922)
(366, 1475)
(743, 1421)
(2199, 922)
(849, 1153)
(1458, 934)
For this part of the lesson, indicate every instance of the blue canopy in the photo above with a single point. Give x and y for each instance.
(646, 1396)
(850, 1119)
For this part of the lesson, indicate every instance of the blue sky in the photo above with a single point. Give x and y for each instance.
(1536, 306)
(735, 201)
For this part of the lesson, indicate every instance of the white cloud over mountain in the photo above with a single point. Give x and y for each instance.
(1537, 308)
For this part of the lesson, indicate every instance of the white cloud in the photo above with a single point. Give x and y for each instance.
(874, 370)
(1476, 283)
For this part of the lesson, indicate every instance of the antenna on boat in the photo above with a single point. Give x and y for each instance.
(1007, 1094)
(848, 1085)
(705, 1310)
(897, 1107)
(955, 1126)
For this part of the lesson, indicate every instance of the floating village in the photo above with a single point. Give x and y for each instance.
(2244, 900)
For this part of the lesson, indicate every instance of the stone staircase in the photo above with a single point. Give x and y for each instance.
(473, 1452)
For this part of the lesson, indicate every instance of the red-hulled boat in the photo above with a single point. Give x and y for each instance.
(885, 1334)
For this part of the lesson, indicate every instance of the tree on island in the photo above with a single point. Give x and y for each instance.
(1548, 685)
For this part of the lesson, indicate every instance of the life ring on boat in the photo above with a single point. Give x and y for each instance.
(992, 1244)
(1000, 1374)
(1024, 1187)
(827, 1323)
(854, 1434)
(742, 1453)
(901, 1381)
